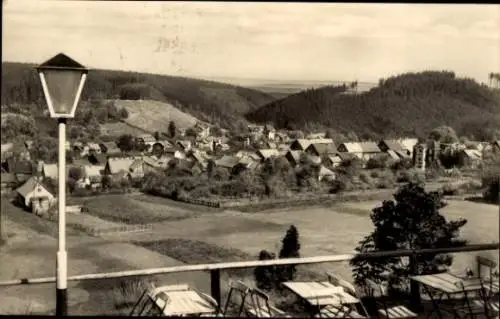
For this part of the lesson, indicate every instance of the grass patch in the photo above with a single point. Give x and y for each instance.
(128, 210)
(30, 220)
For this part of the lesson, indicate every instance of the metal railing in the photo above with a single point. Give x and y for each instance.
(215, 269)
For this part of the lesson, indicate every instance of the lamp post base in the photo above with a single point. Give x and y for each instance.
(61, 302)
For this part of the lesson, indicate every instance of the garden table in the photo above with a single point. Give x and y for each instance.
(322, 294)
(446, 286)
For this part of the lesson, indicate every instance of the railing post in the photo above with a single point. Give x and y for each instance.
(215, 285)
(416, 302)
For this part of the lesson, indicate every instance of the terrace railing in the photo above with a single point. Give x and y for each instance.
(215, 269)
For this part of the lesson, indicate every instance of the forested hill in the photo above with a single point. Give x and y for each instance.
(411, 103)
(210, 101)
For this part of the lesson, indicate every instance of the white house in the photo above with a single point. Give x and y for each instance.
(33, 194)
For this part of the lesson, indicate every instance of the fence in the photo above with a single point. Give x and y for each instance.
(215, 269)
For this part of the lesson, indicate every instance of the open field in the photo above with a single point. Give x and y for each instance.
(119, 128)
(137, 209)
(192, 234)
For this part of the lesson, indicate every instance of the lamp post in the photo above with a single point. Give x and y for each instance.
(62, 80)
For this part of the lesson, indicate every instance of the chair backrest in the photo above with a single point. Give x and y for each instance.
(260, 302)
(483, 262)
(339, 281)
(239, 289)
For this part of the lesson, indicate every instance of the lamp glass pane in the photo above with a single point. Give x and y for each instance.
(63, 87)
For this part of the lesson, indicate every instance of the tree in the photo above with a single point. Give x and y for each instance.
(172, 129)
(290, 249)
(156, 135)
(191, 132)
(444, 134)
(411, 221)
(265, 277)
(126, 143)
(76, 173)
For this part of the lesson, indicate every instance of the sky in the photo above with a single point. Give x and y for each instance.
(274, 41)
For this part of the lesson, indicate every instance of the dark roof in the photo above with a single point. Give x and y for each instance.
(393, 145)
(61, 60)
(323, 148)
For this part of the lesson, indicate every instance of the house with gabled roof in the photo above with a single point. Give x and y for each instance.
(392, 147)
(334, 160)
(268, 153)
(35, 194)
(199, 158)
(246, 153)
(6, 151)
(325, 174)
(146, 139)
(117, 165)
(293, 157)
(409, 144)
(302, 144)
(363, 150)
(227, 161)
(320, 149)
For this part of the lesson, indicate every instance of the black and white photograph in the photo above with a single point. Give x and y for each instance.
(250, 159)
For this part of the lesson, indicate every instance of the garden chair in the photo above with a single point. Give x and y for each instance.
(385, 309)
(491, 278)
(484, 306)
(240, 290)
(349, 288)
(260, 306)
(150, 303)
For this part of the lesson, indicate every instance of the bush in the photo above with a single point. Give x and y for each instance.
(380, 161)
(337, 186)
(491, 184)
(410, 176)
(449, 190)
(365, 178)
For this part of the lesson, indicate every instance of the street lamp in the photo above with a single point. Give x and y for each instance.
(62, 81)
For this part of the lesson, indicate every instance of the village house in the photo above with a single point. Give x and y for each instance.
(227, 161)
(117, 166)
(28, 144)
(363, 150)
(293, 157)
(469, 158)
(320, 149)
(325, 174)
(92, 176)
(163, 162)
(281, 137)
(202, 130)
(335, 160)
(245, 164)
(264, 154)
(34, 195)
(394, 148)
(94, 148)
(269, 132)
(409, 144)
(189, 167)
(302, 144)
(251, 154)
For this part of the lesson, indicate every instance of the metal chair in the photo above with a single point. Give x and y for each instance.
(239, 289)
(384, 309)
(260, 306)
(349, 288)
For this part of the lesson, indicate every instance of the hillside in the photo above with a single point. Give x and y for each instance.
(412, 103)
(154, 116)
(210, 101)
